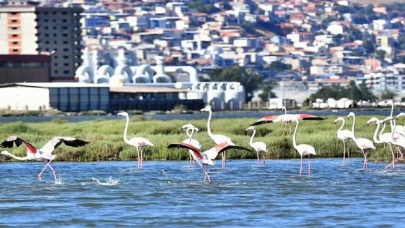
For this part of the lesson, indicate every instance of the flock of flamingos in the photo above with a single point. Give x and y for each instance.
(204, 158)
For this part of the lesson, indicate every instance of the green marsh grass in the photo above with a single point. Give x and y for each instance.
(106, 138)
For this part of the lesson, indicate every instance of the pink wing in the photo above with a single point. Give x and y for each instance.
(186, 146)
(267, 119)
(308, 117)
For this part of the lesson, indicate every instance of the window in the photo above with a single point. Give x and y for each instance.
(55, 71)
(66, 49)
(55, 42)
(46, 20)
(66, 64)
(64, 20)
(55, 64)
(66, 71)
(14, 21)
(64, 27)
(14, 28)
(65, 42)
(65, 56)
(14, 35)
(15, 50)
(15, 43)
(46, 27)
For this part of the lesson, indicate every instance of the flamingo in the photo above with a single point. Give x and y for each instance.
(394, 138)
(205, 158)
(286, 118)
(43, 154)
(362, 143)
(218, 139)
(303, 149)
(383, 138)
(344, 135)
(137, 142)
(257, 146)
(398, 129)
(289, 117)
(190, 140)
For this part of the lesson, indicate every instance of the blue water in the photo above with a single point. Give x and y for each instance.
(170, 194)
(195, 116)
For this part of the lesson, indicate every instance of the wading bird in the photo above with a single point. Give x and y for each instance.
(205, 158)
(257, 146)
(344, 135)
(383, 138)
(362, 143)
(286, 118)
(43, 154)
(190, 129)
(218, 139)
(302, 149)
(398, 129)
(137, 142)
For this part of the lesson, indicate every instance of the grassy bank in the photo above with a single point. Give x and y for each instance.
(106, 138)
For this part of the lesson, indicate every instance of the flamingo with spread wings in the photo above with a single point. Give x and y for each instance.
(190, 129)
(218, 139)
(205, 158)
(279, 118)
(43, 154)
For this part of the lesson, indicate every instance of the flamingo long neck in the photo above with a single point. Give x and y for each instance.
(394, 123)
(343, 124)
(209, 124)
(126, 131)
(295, 135)
(392, 112)
(18, 158)
(354, 123)
(285, 111)
(251, 138)
(191, 134)
(376, 131)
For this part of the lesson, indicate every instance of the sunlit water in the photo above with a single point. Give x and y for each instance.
(171, 194)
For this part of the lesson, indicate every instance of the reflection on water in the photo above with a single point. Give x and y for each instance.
(196, 116)
(174, 195)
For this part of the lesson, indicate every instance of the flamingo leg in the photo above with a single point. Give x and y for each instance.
(53, 171)
(344, 150)
(139, 158)
(301, 166)
(309, 165)
(224, 159)
(264, 159)
(258, 158)
(40, 174)
(365, 159)
(348, 149)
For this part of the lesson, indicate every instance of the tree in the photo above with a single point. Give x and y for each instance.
(280, 66)
(367, 95)
(247, 77)
(388, 94)
(267, 92)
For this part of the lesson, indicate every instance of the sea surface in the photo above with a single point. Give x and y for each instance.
(173, 194)
(195, 116)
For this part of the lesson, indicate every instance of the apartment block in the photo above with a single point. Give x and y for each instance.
(30, 29)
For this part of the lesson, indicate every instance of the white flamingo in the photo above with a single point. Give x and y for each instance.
(218, 139)
(393, 137)
(257, 146)
(383, 138)
(362, 143)
(344, 135)
(303, 149)
(137, 142)
(43, 154)
(286, 118)
(190, 129)
(205, 158)
(398, 129)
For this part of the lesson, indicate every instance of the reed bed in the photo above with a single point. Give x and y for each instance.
(106, 138)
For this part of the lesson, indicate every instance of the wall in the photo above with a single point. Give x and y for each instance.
(24, 98)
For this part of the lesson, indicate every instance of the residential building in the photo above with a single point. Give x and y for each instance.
(30, 29)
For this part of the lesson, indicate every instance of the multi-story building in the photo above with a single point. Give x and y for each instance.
(30, 29)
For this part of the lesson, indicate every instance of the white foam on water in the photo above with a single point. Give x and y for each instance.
(110, 182)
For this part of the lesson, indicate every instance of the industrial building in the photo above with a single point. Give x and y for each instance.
(25, 68)
(26, 28)
(76, 97)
